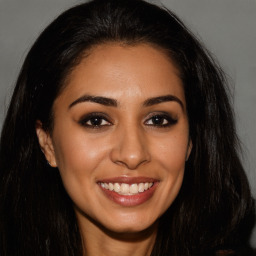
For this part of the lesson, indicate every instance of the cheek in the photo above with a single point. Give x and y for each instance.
(78, 158)
(79, 161)
(172, 152)
(171, 157)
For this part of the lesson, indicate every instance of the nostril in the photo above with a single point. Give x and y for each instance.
(130, 149)
(131, 163)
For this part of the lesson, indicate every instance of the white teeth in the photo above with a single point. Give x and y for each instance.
(117, 187)
(141, 187)
(126, 189)
(110, 186)
(134, 189)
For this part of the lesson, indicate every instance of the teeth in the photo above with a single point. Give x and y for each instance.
(134, 189)
(117, 187)
(110, 186)
(126, 189)
(141, 187)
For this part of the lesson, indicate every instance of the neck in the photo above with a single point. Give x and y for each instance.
(98, 240)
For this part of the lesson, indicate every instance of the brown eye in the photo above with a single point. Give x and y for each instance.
(161, 121)
(94, 120)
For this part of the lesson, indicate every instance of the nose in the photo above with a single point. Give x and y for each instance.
(130, 148)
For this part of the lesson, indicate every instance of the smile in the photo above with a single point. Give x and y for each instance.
(127, 189)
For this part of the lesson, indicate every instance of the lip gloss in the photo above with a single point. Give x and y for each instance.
(129, 200)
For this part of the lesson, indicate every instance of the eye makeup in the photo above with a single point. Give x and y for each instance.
(95, 120)
(161, 120)
(99, 120)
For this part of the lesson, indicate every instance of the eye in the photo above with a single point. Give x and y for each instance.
(161, 120)
(95, 121)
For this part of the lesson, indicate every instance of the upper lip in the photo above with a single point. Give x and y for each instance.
(128, 180)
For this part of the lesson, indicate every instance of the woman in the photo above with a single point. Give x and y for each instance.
(120, 140)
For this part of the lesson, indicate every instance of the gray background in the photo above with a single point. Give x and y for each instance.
(227, 27)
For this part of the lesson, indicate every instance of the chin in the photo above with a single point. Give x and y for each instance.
(130, 224)
(131, 231)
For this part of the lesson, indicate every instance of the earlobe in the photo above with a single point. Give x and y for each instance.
(190, 146)
(45, 142)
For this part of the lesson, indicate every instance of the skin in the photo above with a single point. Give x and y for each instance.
(128, 142)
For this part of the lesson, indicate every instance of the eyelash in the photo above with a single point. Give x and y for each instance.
(165, 121)
(93, 117)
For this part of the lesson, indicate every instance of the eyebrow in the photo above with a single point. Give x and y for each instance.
(113, 103)
(96, 99)
(161, 99)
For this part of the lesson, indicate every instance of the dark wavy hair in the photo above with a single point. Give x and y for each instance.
(214, 210)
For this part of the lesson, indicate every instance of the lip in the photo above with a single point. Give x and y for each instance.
(129, 200)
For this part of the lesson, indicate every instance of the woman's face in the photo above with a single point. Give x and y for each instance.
(121, 137)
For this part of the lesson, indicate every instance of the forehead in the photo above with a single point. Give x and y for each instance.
(115, 70)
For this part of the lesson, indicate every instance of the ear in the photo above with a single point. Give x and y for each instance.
(189, 149)
(46, 144)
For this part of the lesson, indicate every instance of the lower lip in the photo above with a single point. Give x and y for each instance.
(130, 200)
